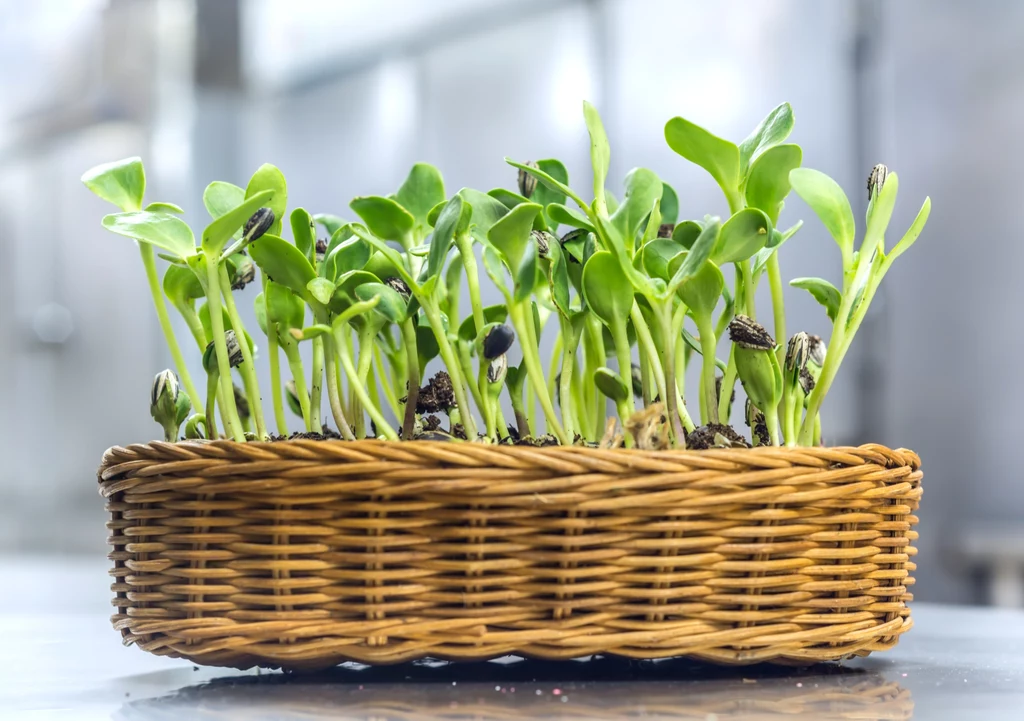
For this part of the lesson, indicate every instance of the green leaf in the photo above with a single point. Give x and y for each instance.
(558, 279)
(669, 204)
(160, 229)
(526, 274)
(321, 289)
(220, 197)
(496, 270)
(542, 194)
(763, 255)
(426, 342)
(331, 223)
(421, 191)
(164, 208)
(611, 385)
(304, 232)
(564, 215)
(823, 291)
(771, 131)
(386, 257)
(220, 230)
(384, 217)
(600, 150)
(768, 182)
(347, 286)
(686, 232)
(351, 255)
(285, 264)
(122, 183)
(912, 234)
(607, 289)
(486, 211)
(829, 203)
(269, 177)
(284, 307)
(510, 234)
(653, 224)
(391, 305)
(182, 285)
(697, 256)
(743, 234)
(717, 156)
(655, 257)
(492, 314)
(259, 309)
(444, 233)
(643, 189)
(700, 291)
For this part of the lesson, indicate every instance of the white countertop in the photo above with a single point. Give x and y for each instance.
(60, 659)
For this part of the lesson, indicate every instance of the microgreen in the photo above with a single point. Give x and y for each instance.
(605, 275)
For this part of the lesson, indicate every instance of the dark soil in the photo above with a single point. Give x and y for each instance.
(438, 396)
(703, 437)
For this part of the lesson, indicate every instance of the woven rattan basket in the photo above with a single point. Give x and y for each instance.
(303, 554)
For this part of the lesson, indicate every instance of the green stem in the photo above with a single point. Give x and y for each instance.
(232, 422)
(316, 394)
(462, 350)
(464, 242)
(149, 262)
(291, 352)
(646, 341)
(554, 364)
(671, 393)
(593, 340)
(708, 347)
(356, 382)
(748, 286)
(275, 382)
(386, 382)
(779, 315)
(728, 386)
(523, 422)
(565, 395)
(330, 349)
(817, 430)
(625, 359)
(413, 362)
(212, 384)
(524, 327)
(195, 326)
(454, 369)
(247, 369)
(771, 420)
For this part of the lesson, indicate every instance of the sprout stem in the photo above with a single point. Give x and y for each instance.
(565, 395)
(593, 341)
(277, 398)
(232, 422)
(625, 359)
(728, 385)
(454, 369)
(409, 340)
(291, 352)
(247, 369)
(748, 288)
(670, 393)
(212, 385)
(149, 262)
(386, 382)
(329, 352)
(356, 382)
(464, 242)
(708, 346)
(316, 399)
(524, 327)
(779, 314)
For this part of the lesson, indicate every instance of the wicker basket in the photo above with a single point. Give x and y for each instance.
(303, 554)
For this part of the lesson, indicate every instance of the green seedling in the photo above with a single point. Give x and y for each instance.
(592, 275)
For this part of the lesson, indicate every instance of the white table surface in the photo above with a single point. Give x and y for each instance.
(60, 659)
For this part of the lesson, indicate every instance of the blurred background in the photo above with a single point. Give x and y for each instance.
(344, 95)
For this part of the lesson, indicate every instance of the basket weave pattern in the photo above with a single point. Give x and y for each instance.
(303, 554)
